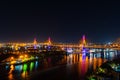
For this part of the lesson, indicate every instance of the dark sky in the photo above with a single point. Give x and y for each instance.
(62, 21)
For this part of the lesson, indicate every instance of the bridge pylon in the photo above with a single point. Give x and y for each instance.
(83, 42)
(35, 43)
(49, 41)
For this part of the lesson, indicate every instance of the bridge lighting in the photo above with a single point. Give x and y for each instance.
(92, 50)
(69, 50)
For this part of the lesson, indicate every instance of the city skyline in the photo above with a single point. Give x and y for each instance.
(63, 22)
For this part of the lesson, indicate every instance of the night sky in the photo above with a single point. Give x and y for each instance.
(62, 21)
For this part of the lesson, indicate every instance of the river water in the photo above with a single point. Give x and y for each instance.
(74, 66)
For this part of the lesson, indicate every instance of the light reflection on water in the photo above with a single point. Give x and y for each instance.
(22, 69)
(85, 62)
(25, 73)
(31, 66)
(18, 68)
(10, 76)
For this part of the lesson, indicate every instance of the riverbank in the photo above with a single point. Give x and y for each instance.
(10, 59)
(109, 70)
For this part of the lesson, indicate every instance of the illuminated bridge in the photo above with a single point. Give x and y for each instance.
(79, 46)
(83, 43)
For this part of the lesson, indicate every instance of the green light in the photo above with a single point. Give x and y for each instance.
(25, 67)
(92, 79)
(31, 66)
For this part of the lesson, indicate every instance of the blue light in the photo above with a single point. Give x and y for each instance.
(35, 47)
(36, 64)
(49, 47)
(6, 67)
(84, 50)
(18, 68)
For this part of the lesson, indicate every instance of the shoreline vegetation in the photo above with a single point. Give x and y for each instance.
(107, 70)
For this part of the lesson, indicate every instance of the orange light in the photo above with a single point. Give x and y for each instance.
(26, 56)
(21, 56)
(12, 58)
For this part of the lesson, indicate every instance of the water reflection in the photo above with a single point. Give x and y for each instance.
(24, 73)
(82, 62)
(18, 68)
(10, 76)
(36, 64)
(88, 62)
(21, 69)
(31, 66)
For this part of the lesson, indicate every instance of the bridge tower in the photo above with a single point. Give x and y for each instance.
(49, 41)
(83, 42)
(35, 43)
